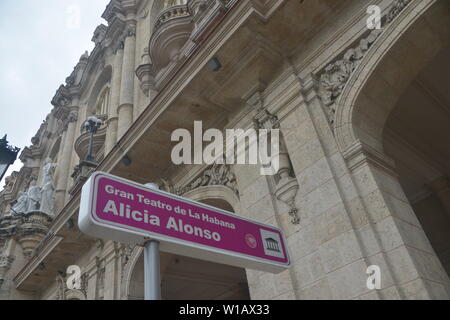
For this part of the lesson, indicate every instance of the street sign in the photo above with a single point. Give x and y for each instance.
(117, 209)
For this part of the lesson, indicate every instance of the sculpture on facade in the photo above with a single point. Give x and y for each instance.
(34, 197)
(48, 189)
(21, 205)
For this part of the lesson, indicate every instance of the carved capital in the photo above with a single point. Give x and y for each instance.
(360, 153)
(131, 30)
(73, 116)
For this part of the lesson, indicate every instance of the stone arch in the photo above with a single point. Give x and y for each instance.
(404, 48)
(407, 45)
(54, 150)
(99, 86)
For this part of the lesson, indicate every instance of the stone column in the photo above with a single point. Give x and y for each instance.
(441, 187)
(111, 133)
(125, 110)
(65, 160)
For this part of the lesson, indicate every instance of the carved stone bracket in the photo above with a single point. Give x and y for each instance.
(144, 73)
(286, 184)
(29, 229)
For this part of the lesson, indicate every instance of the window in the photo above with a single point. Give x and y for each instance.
(172, 3)
(102, 107)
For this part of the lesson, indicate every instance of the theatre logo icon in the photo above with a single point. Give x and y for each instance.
(272, 244)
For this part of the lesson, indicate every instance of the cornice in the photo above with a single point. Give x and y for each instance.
(113, 9)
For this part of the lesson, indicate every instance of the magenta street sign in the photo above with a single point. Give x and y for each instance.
(117, 209)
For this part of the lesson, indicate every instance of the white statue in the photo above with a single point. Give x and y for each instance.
(48, 189)
(21, 205)
(34, 197)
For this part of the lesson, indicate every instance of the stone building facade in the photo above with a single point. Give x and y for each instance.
(364, 116)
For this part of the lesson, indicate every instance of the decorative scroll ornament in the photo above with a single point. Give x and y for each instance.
(336, 75)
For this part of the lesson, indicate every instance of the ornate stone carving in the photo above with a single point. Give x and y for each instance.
(131, 30)
(172, 11)
(216, 175)
(172, 30)
(100, 285)
(144, 72)
(21, 205)
(73, 116)
(205, 13)
(286, 184)
(99, 34)
(70, 294)
(6, 261)
(125, 255)
(196, 7)
(286, 190)
(31, 229)
(5, 265)
(113, 10)
(32, 214)
(70, 80)
(395, 10)
(336, 75)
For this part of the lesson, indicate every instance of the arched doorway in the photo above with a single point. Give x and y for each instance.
(392, 136)
(417, 138)
(184, 278)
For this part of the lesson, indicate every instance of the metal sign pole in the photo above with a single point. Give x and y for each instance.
(152, 278)
(152, 272)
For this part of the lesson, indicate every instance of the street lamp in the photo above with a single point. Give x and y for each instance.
(92, 124)
(8, 155)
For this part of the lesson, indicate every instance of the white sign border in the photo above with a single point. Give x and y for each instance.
(94, 226)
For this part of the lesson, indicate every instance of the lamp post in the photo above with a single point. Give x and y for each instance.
(92, 124)
(8, 155)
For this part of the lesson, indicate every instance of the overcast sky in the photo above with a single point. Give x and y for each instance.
(41, 41)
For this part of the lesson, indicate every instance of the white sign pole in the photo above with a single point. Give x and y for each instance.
(152, 277)
(152, 273)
